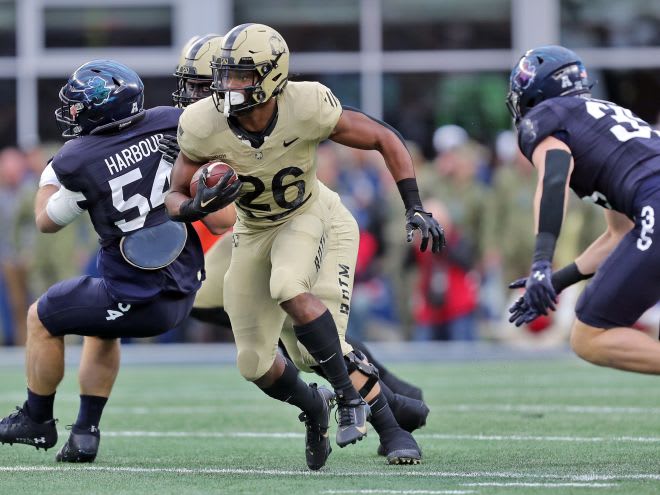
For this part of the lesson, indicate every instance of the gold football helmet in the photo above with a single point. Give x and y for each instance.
(251, 67)
(193, 74)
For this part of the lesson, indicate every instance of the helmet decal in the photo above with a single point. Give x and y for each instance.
(525, 74)
(96, 91)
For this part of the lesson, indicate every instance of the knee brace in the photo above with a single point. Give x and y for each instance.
(355, 362)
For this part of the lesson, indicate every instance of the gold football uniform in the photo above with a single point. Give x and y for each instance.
(293, 235)
(216, 262)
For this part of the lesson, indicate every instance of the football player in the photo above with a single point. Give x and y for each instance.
(294, 243)
(194, 78)
(150, 266)
(610, 156)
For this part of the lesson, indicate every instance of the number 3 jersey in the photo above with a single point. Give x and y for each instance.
(279, 170)
(614, 151)
(121, 179)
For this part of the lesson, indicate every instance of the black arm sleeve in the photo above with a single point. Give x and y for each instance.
(557, 163)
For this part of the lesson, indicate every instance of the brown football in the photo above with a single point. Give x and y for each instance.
(216, 171)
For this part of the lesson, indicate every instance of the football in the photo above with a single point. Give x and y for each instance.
(216, 171)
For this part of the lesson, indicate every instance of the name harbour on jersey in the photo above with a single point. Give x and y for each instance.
(133, 154)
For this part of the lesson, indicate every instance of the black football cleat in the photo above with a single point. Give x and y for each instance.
(18, 427)
(317, 440)
(352, 417)
(411, 415)
(400, 447)
(82, 445)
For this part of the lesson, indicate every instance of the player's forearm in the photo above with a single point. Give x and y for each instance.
(396, 156)
(220, 221)
(551, 201)
(173, 202)
(592, 257)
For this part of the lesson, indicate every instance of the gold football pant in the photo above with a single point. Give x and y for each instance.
(314, 252)
(216, 262)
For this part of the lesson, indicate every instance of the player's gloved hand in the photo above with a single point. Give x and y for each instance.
(540, 295)
(169, 147)
(418, 219)
(210, 199)
(518, 284)
(522, 313)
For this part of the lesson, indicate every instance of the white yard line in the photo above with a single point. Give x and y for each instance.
(543, 485)
(329, 473)
(433, 436)
(507, 408)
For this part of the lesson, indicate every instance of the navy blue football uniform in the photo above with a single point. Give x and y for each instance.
(616, 165)
(121, 181)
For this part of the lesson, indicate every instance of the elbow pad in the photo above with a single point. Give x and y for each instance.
(63, 208)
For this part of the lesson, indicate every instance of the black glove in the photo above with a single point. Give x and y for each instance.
(540, 295)
(417, 218)
(209, 199)
(522, 313)
(169, 147)
(518, 283)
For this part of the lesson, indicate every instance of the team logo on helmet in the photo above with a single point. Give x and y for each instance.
(276, 45)
(96, 91)
(525, 74)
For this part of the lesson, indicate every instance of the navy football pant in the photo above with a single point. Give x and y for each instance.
(83, 306)
(628, 281)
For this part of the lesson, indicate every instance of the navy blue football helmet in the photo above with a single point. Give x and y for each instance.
(100, 95)
(542, 73)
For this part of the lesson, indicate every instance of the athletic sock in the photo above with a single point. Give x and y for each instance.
(291, 389)
(40, 407)
(320, 338)
(89, 414)
(382, 418)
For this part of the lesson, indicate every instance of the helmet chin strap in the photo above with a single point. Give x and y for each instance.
(232, 98)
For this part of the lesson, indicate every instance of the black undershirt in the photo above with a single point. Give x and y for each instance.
(256, 139)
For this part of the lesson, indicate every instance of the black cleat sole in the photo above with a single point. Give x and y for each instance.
(404, 456)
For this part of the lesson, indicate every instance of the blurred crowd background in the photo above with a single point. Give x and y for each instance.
(437, 70)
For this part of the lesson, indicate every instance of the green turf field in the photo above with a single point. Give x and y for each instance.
(521, 427)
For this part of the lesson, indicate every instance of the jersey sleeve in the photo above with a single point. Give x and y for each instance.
(191, 137)
(540, 123)
(329, 111)
(67, 167)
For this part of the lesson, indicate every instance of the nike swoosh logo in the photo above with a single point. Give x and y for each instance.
(290, 142)
(361, 429)
(322, 361)
(204, 203)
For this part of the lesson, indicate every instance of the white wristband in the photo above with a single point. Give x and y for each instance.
(48, 176)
